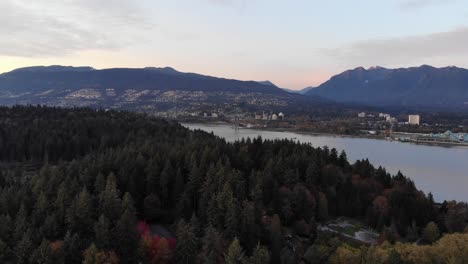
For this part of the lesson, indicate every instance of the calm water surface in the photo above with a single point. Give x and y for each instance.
(440, 170)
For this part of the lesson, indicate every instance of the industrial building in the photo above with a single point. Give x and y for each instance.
(447, 137)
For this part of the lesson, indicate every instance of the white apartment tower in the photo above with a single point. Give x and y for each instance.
(414, 119)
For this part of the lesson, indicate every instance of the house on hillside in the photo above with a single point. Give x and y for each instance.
(281, 116)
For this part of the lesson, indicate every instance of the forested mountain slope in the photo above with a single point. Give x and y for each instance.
(144, 89)
(423, 87)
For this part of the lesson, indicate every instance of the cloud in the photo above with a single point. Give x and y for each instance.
(406, 50)
(57, 27)
(240, 5)
(224, 2)
(416, 4)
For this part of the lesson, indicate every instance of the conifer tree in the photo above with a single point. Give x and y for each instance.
(128, 204)
(61, 203)
(103, 235)
(42, 254)
(151, 206)
(215, 212)
(322, 207)
(178, 186)
(232, 218)
(80, 214)
(72, 248)
(212, 252)
(276, 238)
(152, 171)
(50, 228)
(24, 248)
(165, 180)
(248, 232)
(187, 244)
(126, 236)
(235, 253)
(109, 202)
(260, 255)
(21, 223)
(196, 225)
(100, 183)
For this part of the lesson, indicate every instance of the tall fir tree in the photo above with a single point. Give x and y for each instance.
(212, 251)
(126, 234)
(235, 253)
(103, 235)
(81, 213)
(110, 203)
(187, 244)
(260, 255)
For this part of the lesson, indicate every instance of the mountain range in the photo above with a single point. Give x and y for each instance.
(145, 89)
(423, 87)
(160, 89)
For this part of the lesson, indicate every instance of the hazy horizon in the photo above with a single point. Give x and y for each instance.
(292, 44)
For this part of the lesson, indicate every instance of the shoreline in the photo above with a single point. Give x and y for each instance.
(289, 130)
(301, 132)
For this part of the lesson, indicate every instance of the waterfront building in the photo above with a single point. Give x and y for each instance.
(414, 119)
(447, 137)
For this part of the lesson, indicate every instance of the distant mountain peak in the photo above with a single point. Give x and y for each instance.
(360, 68)
(163, 69)
(425, 66)
(453, 67)
(267, 83)
(376, 68)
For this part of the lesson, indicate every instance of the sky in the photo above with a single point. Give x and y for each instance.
(293, 43)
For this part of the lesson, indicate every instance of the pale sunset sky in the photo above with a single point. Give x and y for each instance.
(293, 43)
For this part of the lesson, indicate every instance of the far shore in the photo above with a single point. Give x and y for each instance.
(312, 133)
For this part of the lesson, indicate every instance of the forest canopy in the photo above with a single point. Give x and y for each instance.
(93, 186)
